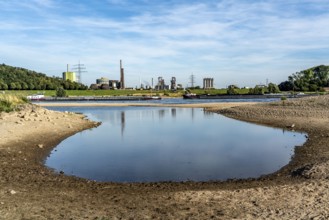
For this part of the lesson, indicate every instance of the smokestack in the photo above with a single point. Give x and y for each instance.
(122, 77)
(67, 68)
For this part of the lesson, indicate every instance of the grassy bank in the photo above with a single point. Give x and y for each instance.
(9, 102)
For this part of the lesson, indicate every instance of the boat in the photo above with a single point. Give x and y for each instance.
(151, 98)
(191, 96)
(35, 97)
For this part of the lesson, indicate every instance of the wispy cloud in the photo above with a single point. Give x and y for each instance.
(234, 41)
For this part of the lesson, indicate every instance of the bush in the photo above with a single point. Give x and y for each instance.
(273, 88)
(231, 91)
(283, 99)
(60, 92)
(256, 91)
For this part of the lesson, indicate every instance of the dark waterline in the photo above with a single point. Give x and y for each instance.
(143, 144)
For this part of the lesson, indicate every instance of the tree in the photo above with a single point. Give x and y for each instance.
(12, 86)
(33, 80)
(24, 86)
(18, 86)
(313, 79)
(286, 86)
(231, 90)
(273, 88)
(257, 90)
(60, 92)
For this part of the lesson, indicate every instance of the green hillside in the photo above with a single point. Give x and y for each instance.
(16, 78)
(312, 79)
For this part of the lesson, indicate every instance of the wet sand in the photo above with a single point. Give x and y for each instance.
(29, 190)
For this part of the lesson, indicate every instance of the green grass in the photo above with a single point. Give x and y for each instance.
(9, 102)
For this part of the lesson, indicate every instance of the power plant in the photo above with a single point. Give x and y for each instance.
(105, 83)
(208, 83)
(69, 75)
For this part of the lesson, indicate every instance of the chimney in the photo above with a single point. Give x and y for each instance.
(122, 76)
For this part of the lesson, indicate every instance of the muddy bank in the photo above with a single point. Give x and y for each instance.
(28, 190)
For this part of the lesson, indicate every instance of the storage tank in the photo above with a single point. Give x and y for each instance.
(102, 81)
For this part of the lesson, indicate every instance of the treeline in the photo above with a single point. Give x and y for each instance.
(313, 79)
(257, 90)
(16, 78)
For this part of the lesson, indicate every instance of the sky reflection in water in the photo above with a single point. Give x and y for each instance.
(143, 144)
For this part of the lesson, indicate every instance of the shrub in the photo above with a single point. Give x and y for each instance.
(60, 92)
(283, 99)
(231, 91)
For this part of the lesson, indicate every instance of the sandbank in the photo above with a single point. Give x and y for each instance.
(29, 190)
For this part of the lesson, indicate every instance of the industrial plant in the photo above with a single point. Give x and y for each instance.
(208, 83)
(106, 83)
(69, 75)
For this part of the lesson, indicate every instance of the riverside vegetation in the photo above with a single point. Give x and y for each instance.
(9, 103)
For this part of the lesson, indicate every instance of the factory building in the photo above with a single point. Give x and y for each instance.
(105, 83)
(173, 83)
(69, 75)
(102, 80)
(161, 84)
(114, 84)
(208, 83)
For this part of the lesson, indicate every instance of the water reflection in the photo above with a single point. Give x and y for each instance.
(137, 144)
(122, 123)
(173, 113)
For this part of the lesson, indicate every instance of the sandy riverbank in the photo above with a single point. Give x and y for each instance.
(28, 190)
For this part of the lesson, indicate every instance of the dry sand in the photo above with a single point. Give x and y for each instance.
(28, 190)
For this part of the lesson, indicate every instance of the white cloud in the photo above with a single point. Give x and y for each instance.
(262, 39)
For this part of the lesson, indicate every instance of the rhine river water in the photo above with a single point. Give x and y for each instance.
(149, 144)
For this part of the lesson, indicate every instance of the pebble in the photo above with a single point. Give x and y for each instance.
(40, 146)
(12, 192)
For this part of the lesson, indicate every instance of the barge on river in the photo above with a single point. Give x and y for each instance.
(244, 96)
(96, 98)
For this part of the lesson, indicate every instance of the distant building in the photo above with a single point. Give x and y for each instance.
(102, 80)
(208, 83)
(261, 86)
(114, 84)
(173, 83)
(105, 83)
(161, 84)
(69, 76)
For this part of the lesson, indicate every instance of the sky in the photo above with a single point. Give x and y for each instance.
(239, 42)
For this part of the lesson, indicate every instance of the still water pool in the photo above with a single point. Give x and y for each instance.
(148, 144)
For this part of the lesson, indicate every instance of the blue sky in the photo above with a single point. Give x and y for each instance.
(234, 41)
